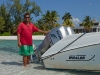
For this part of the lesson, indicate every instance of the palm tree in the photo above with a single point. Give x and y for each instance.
(50, 19)
(67, 20)
(54, 18)
(66, 16)
(87, 23)
(41, 24)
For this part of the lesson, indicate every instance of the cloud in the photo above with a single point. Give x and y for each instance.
(98, 17)
(76, 21)
(90, 4)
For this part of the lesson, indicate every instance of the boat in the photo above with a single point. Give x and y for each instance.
(63, 49)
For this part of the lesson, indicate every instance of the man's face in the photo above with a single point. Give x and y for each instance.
(27, 18)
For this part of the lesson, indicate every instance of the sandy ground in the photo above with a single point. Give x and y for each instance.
(11, 64)
(38, 37)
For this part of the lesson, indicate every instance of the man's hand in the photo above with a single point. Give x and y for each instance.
(18, 38)
(19, 44)
(46, 32)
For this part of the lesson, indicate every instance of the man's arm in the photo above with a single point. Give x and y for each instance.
(44, 32)
(18, 38)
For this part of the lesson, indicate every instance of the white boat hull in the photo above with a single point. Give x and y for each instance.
(86, 58)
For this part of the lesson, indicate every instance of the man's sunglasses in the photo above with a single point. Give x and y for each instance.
(27, 17)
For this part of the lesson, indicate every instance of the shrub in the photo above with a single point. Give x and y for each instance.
(6, 34)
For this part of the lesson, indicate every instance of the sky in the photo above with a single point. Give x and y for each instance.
(77, 8)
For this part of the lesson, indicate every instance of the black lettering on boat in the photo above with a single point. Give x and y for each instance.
(77, 57)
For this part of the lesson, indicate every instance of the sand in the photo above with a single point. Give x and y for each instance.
(11, 64)
(38, 37)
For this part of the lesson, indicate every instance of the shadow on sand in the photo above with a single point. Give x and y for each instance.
(40, 67)
(81, 72)
(12, 63)
(67, 71)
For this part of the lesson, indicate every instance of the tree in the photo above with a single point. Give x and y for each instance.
(31, 7)
(41, 24)
(6, 17)
(50, 19)
(1, 24)
(87, 23)
(67, 16)
(67, 20)
(18, 9)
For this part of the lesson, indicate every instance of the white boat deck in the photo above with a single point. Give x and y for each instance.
(87, 39)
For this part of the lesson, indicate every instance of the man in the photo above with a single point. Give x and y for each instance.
(24, 37)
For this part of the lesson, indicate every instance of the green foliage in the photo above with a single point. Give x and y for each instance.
(6, 16)
(5, 34)
(18, 9)
(31, 7)
(37, 33)
(49, 20)
(67, 20)
(1, 24)
(67, 16)
(87, 23)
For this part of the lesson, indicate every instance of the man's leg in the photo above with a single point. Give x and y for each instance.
(28, 59)
(25, 60)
